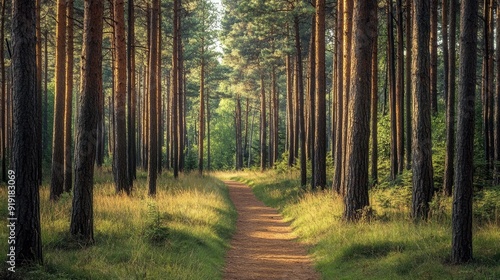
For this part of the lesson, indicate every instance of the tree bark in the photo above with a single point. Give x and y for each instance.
(319, 163)
(57, 178)
(462, 196)
(434, 56)
(450, 105)
(131, 93)
(337, 175)
(153, 91)
(175, 89)
(392, 92)
(423, 183)
(374, 106)
(364, 28)
(4, 94)
(201, 134)
(408, 83)
(26, 216)
(120, 149)
(68, 106)
(263, 125)
(82, 215)
(400, 88)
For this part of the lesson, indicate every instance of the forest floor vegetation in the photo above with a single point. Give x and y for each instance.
(387, 245)
(183, 233)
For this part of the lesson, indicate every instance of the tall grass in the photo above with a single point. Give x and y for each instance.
(183, 233)
(388, 246)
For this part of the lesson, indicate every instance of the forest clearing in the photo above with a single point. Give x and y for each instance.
(369, 129)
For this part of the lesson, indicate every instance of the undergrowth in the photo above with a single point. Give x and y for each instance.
(388, 245)
(183, 233)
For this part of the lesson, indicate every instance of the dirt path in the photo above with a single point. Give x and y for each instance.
(263, 246)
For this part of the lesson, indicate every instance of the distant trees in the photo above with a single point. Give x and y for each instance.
(26, 216)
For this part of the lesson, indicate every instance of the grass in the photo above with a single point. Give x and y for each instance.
(388, 246)
(181, 234)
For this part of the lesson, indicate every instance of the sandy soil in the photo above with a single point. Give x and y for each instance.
(263, 246)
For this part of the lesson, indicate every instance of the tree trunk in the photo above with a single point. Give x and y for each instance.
(39, 90)
(392, 93)
(263, 125)
(68, 113)
(433, 55)
(299, 116)
(462, 196)
(319, 163)
(423, 183)
(374, 107)
(159, 98)
(26, 217)
(201, 134)
(175, 89)
(450, 104)
(400, 88)
(153, 91)
(496, 110)
(290, 111)
(82, 216)
(4, 94)
(364, 29)
(337, 177)
(120, 151)
(408, 82)
(57, 178)
(131, 94)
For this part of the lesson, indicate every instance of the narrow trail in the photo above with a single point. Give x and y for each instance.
(263, 246)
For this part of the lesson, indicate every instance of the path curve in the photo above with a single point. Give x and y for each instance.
(263, 246)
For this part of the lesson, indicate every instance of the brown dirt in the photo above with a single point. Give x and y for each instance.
(263, 246)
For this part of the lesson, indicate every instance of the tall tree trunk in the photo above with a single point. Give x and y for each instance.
(201, 134)
(239, 154)
(57, 178)
(423, 183)
(374, 107)
(408, 82)
(446, 64)
(82, 216)
(120, 151)
(4, 94)
(496, 110)
(175, 89)
(131, 94)
(68, 113)
(290, 111)
(299, 95)
(433, 55)
(311, 96)
(159, 112)
(263, 125)
(450, 104)
(276, 108)
(153, 91)
(400, 88)
(392, 92)
(364, 30)
(320, 100)
(348, 22)
(462, 196)
(26, 217)
(337, 175)
(39, 90)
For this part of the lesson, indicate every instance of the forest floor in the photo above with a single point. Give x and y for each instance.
(263, 246)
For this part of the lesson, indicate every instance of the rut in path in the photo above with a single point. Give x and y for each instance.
(263, 246)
